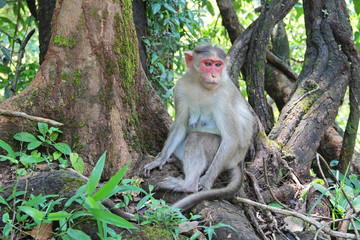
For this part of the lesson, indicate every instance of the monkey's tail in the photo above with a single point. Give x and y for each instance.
(212, 194)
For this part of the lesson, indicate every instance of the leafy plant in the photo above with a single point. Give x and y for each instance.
(172, 27)
(39, 210)
(339, 204)
(162, 215)
(46, 139)
(19, 49)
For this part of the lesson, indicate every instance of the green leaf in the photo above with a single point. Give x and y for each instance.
(12, 160)
(111, 218)
(3, 201)
(43, 128)
(5, 217)
(7, 230)
(321, 189)
(29, 159)
(276, 205)
(77, 162)
(79, 192)
(54, 129)
(95, 175)
(169, 7)
(7, 148)
(35, 201)
(91, 203)
(25, 137)
(106, 190)
(55, 216)
(56, 155)
(155, 8)
(125, 188)
(32, 212)
(210, 8)
(41, 138)
(77, 234)
(5, 51)
(143, 201)
(63, 148)
(54, 136)
(33, 145)
(357, 6)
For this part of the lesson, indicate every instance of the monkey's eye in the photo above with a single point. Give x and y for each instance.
(207, 63)
(218, 64)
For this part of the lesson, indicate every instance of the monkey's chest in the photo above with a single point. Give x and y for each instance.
(202, 120)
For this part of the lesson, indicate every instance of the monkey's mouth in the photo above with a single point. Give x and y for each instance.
(211, 82)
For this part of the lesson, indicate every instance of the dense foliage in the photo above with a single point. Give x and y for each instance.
(19, 57)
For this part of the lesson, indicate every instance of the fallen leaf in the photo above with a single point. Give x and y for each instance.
(188, 226)
(42, 232)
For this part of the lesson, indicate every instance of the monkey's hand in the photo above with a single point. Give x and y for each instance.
(158, 162)
(205, 183)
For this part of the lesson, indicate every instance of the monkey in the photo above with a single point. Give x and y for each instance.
(212, 130)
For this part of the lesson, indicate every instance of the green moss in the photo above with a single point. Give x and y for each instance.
(81, 23)
(150, 233)
(104, 14)
(77, 77)
(306, 104)
(62, 41)
(127, 66)
(76, 145)
(64, 76)
(92, 12)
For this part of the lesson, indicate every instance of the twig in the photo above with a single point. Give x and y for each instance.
(334, 221)
(19, 69)
(321, 170)
(261, 199)
(9, 36)
(30, 117)
(309, 220)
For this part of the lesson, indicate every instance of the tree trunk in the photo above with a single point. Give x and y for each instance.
(92, 81)
(320, 88)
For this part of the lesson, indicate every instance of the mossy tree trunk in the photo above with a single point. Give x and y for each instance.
(92, 81)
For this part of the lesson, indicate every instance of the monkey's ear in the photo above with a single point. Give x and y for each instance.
(189, 57)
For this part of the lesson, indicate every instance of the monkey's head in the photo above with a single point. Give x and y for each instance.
(207, 62)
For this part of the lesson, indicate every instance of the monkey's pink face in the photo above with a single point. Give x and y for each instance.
(212, 69)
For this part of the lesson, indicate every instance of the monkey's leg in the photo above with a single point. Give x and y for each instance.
(194, 162)
(216, 168)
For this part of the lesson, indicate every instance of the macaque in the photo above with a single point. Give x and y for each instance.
(212, 130)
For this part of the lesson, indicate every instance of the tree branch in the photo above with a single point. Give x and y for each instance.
(33, 118)
(19, 68)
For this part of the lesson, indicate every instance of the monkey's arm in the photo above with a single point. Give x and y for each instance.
(176, 137)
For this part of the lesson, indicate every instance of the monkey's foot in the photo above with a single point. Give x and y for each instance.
(204, 184)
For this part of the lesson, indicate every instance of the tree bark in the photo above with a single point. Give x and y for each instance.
(45, 12)
(321, 86)
(92, 81)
